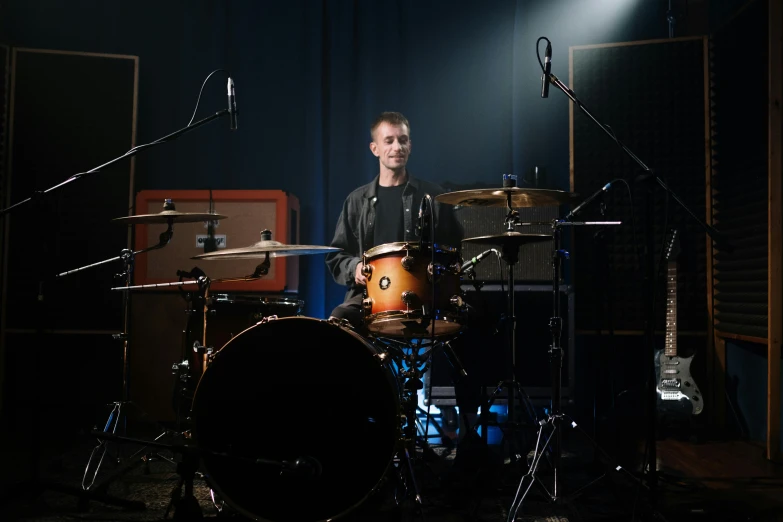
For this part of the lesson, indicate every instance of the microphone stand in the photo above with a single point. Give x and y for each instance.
(38, 200)
(649, 279)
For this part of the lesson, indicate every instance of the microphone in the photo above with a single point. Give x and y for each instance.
(547, 71)
(476, 260)
(588, 200)
(422, 214)
(232, 104)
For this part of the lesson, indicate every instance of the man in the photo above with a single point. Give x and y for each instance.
(383, 211)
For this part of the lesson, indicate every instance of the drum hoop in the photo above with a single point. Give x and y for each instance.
(405, 245)
(388, 315)
(213, 484)
(256, 299)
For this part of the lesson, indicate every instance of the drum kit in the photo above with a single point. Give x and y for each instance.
(320, 459)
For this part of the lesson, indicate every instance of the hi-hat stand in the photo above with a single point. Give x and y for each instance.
(516, 393)
(555, 417)
(119, 413)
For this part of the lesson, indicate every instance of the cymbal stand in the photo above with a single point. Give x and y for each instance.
(510, 254)
(556, 416)
(118, 415)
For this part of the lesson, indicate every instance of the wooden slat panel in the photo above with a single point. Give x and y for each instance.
(775, 230)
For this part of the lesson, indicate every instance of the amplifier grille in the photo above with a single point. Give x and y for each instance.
(535, 260)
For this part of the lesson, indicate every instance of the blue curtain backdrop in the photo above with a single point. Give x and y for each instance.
(310, 76)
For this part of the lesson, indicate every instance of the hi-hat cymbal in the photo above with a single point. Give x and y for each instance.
(509, 239)
(264, 247)
(169, 216)
(499, 197)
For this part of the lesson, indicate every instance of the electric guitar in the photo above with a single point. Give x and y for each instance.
(678, 395)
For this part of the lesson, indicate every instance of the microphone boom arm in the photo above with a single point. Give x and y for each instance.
(716, 236)
(132, 152)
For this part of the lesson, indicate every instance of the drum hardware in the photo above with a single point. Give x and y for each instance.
(510, 242)
(39, 205)
(649, 176)
(118, 414)
(555, 416)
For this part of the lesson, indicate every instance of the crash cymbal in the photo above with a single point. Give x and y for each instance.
(509, 239)
(520, 197)
(264, 247)
(169, 216)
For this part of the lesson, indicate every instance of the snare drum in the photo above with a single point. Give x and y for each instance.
(400, 290)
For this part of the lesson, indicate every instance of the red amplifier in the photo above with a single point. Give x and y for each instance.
(248, 213)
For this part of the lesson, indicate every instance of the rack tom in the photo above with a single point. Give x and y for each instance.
(399, 292)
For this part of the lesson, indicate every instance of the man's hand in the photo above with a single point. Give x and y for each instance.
(358, 276)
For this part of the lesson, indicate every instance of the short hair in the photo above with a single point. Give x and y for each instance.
(393, 118)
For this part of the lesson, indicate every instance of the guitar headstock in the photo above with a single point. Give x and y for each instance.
(672, 245)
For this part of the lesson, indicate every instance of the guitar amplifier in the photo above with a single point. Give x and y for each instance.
(535, 259)
(248, 213)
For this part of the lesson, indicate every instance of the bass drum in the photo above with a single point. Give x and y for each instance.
(297, 388)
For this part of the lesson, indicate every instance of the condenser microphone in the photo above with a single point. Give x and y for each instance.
(232, 104)
(547, 71)
(476, 260)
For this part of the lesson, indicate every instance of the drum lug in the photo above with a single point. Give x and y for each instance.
(383, 358)
(339, 321)
(367, 305)
(435, 270)
(408, 297)
(367, 271)
(200, 349)
(407, 262)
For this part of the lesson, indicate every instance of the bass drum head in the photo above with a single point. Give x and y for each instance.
(296, 388)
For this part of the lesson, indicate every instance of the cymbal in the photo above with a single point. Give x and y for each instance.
(509, 239)
(169, 215)
(520, 197)
(264, 247)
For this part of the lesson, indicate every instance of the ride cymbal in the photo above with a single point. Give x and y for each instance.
(499, 197)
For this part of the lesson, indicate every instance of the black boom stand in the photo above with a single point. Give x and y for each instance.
(35, 485)
(649, 275)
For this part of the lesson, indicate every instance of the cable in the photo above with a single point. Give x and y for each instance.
(159, 140)
(202, 90)
(538, 54)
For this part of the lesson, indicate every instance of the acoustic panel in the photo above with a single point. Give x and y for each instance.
(652, 95)
(740, 172)
(53, 134)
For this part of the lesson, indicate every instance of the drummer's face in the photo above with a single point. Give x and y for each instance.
(391, 144)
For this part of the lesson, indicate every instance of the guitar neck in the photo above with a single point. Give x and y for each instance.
(670, 350)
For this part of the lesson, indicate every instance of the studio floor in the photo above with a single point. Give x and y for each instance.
(718, 480)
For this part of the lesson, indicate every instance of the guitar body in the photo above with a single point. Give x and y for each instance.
(677, 394)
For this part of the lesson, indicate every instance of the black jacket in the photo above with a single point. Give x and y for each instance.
(354, 232)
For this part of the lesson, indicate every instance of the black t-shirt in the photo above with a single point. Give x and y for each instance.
(389, 218)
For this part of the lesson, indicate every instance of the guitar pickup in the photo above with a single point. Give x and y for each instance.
(671, 383)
